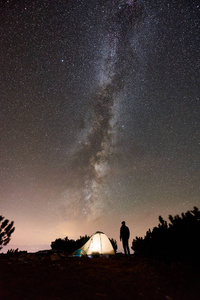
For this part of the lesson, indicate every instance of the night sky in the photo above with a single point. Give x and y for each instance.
(100, 116)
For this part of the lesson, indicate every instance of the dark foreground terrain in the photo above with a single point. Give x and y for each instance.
(55, 276)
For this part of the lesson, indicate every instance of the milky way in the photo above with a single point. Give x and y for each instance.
(120, 19)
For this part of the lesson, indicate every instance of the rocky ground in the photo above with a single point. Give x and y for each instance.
(55, 276)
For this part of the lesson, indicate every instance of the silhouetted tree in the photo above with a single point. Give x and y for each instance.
(81, 241)
(114, 244)
(180, 239)
(68, 245)
(58, 244)
(6, 229)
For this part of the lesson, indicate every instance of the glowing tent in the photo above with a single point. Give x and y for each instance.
(98, 244)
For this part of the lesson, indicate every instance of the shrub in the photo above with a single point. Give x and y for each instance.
(180, 239)
(6, 229)
(68, 245)
(114, 244)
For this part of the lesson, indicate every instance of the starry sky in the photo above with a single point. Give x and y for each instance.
(100, 116)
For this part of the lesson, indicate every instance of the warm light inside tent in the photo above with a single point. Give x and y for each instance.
(96, 244)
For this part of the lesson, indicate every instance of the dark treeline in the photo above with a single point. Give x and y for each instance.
(180, 239)
(70, 246)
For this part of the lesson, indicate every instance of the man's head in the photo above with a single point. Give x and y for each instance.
(123, 222)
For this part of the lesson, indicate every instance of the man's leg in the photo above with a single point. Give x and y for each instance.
(124, 246)
(128, 248)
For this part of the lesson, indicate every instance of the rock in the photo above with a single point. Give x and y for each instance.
(168, 297)
(31, 256)
(22, 257)
(28, 257)
(54, 257)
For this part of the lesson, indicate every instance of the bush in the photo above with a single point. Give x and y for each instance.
(114, 244)
(6, 229)
(180, 239)
(67, 245)
(12, 251)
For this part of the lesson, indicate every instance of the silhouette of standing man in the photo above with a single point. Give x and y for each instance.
(124, 236)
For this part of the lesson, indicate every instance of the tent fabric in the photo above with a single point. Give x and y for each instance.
(98, 244)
